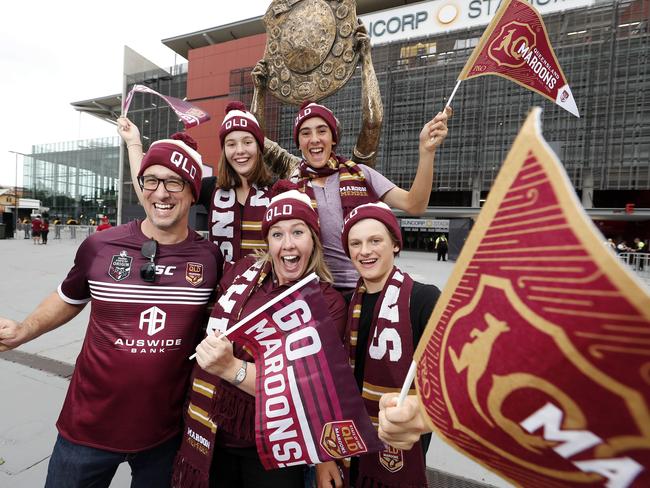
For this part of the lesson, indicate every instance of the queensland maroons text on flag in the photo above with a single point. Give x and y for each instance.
(515, 45)
(307, 405)
(536, 359)
(190, 114)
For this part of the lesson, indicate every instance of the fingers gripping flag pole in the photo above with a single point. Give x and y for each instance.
(515, 46)
(537, 366)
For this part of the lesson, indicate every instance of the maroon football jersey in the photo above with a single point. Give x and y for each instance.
(130, 379)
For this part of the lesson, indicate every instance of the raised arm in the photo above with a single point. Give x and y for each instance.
(415, 200)
(365, 149)
(50, 314)
(281, 162)
(260, 75)
(130, 134)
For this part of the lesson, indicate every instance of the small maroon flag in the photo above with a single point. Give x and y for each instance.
(190, 114)
(307, 405)
(536, 359)
(515, 46)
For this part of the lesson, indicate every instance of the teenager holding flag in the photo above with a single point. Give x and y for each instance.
(237, 197)
(221, 407)
(388, 313)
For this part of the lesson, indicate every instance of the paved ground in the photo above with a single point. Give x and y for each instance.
(34, 378)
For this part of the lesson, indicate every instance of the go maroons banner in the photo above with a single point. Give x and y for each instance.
(536, 359)
(515, 46)
(190, 114)
(307, 405)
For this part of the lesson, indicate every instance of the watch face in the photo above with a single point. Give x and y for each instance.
(241, 374)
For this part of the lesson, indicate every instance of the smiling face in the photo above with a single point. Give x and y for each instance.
(290, 248)
(241, 152)
(316, 142)
(165, 210)
(372, 252)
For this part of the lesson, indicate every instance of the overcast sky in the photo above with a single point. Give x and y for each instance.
(55, 53)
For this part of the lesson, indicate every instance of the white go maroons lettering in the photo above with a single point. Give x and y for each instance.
(305, 341)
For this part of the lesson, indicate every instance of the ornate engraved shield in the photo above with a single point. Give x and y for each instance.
(309, 48)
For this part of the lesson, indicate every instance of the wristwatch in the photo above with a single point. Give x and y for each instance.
(241, 373)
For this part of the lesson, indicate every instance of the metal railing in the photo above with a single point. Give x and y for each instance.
(63, 232)
(638, 262)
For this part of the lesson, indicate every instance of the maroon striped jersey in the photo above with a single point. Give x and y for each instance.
(130, 379)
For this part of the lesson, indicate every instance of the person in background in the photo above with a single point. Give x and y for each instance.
(26, 227)
(45, 230)
(442, 247)
(37, 224)
(57, 228)
(104, 224)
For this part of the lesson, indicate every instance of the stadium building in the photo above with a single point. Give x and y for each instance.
(419, 48)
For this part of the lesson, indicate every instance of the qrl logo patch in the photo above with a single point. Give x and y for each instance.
(120, 267)
(194, 273)
(391, 459)
(342, 439)
(504, 49)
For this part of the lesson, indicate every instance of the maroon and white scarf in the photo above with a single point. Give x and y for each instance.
(353, 186)
(214, 403)
(236, 232)
(386, 365)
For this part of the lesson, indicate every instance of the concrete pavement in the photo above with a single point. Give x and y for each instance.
(34, 378)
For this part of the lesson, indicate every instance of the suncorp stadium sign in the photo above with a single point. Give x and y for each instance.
(438, 16)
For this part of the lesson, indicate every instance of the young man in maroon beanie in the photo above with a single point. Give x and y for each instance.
(149, 284)
(386, 318)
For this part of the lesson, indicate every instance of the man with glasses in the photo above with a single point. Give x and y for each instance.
(150, 283)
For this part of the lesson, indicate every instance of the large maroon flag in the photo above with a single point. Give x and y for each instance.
(190, 114)
(515, 46)
(307, 405)
(536, 359)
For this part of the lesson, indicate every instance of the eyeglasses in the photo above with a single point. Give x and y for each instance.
(148, 270)
(151, 183)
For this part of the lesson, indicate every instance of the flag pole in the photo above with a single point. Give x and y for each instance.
(410, 376)
(453, 93)
(252, 315)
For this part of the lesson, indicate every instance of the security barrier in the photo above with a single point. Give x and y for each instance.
(639, 262)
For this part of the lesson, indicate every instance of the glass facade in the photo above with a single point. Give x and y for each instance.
(75, 179)
(603, 51)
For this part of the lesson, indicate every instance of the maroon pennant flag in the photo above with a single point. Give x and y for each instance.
(308, 408)
(515, 46)
(190, 114)
(536, 359)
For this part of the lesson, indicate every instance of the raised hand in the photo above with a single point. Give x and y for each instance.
(435, 131)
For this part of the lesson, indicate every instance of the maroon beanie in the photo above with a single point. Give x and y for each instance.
(179, 154)
(378, 211)
(238, 118)
(312, 109)
(289, 203)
